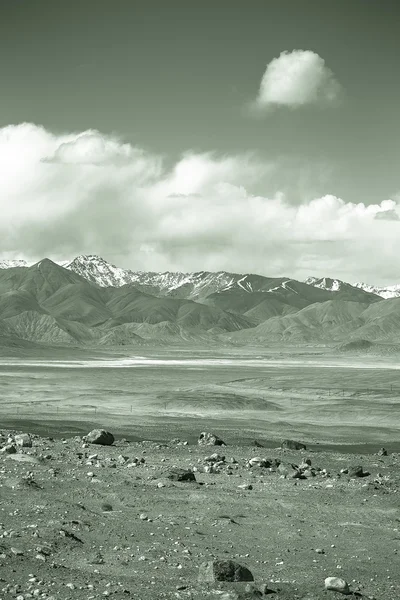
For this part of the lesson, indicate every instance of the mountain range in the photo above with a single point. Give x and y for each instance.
(89, 302)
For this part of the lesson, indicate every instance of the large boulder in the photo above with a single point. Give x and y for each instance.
(223, 570)
(293, 445)
(209, 439)
(23, 440)
(101, 437)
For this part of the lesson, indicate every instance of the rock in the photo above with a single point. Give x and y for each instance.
(100, 436)
(209, 439)
(382, 452)
(336, 584)
(23, 440)
(357, 471)
(265, 589)
(287, 470)
(296, 474)
(181, 475)
(245, 486)
(26, 458)
(215, 458)
(223, 570)
(256, 461)
(9, 449)
(293, 445)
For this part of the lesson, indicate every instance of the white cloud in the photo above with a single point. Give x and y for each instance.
(296, 79)
(58, 200)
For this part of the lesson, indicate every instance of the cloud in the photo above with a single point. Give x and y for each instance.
(59, 198)
(296, 79)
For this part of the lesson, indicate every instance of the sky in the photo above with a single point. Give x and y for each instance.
(258, 136)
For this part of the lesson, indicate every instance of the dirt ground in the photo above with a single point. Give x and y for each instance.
(88, 521)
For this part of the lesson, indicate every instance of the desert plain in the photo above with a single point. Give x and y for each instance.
(81, 520)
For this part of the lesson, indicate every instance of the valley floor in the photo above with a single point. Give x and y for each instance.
(246, 393)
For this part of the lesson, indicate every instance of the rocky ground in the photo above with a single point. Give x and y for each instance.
(140, 520)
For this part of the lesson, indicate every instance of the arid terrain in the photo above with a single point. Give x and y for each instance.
(83, 520)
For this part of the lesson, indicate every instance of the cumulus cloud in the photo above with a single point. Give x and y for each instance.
(296, 79)
(63, 195)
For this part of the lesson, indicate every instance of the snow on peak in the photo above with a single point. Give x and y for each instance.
(390, 291)
(9, 264)
(325, 283)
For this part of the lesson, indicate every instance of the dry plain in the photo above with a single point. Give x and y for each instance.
(344, 408)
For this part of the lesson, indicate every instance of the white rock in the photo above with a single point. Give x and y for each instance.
(336, 584)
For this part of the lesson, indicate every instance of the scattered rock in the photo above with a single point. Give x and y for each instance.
(209, 439)
(101, 437)
(223, 570)
(336, 584)
(382, 452)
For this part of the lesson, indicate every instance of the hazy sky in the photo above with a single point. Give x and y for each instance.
(256, 136)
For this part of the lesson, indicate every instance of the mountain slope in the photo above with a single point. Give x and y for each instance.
(75, 304)
(320, 321)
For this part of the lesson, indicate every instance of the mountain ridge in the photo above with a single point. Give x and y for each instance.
(198, 283)
(49, 303)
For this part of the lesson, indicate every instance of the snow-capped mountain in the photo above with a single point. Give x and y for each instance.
(97, 270)
(196, 285)
(390, 291)
(325, 283)
(334, 285)
(9, 264)
(181, 285)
